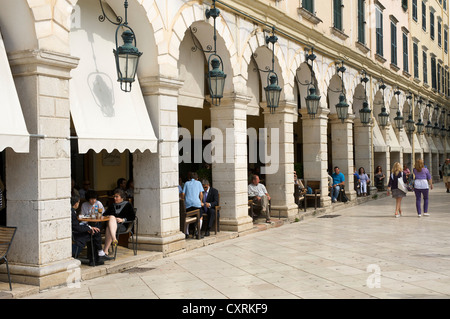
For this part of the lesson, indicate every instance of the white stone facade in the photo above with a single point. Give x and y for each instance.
(171, 75)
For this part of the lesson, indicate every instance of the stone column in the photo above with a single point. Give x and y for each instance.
(363, 148)
(342, 150)
(229, 173)
(39, 182)
(280, 175)
(315, 153)
(156, 194)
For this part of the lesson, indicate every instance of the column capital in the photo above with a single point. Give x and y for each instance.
(42, 62)
(158, 85)
(322, 113)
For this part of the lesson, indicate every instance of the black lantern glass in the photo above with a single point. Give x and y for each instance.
(216, 79)
(127, 60)
(429, 128)
(410, 127)
(383, 117)
(342, 108)
(127, 55)
(436, 129)
(420, 126)
(273, 92)
(312, 102)
(398, 120)
(365, 113)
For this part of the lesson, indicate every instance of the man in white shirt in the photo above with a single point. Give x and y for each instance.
(260, 196)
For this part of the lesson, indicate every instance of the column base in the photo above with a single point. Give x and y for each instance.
(62, 273)
(166, 245)
(239, 225)
(289, 212)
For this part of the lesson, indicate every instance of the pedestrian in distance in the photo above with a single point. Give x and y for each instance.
(422, 184)
(393, 186)
(446, 174)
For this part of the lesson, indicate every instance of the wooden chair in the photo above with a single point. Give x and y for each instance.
(190, 217)
(6, 238)
(254, 209)
(315, 186)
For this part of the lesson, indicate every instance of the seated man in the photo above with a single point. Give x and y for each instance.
(210, 201)
(338, 183)
(82, 234)
(258, 193)
(193, 198)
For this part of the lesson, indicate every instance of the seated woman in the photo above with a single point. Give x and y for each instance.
(119, 212)
(91, 204)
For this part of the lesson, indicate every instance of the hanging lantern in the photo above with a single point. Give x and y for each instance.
(443, 131)
(342, 108)
(365, 113)
(127, 60)
(420, 126)
(409, 125)
(216, 79)
(429, 128)
(398, 120)
(312, 102)
(272, 92)
(436, 129)
(127, 55)
(383, 117)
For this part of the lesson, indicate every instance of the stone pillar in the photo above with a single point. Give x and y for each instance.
(342, 150)
(156, 194)
(280, 175)
(315, 153)
(39, 182)
(385, 157)
(363, 148)
(229, 173)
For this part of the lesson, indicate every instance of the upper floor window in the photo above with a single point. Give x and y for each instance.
(379, 31)
(432, 25)
(424, 16)
(405, 4)
(416, 59)
(445, 40)
(337, 14)
(361, 22)
(405, 52)
(393, 43)
(439, 33)
(414, 10)
(308, 5)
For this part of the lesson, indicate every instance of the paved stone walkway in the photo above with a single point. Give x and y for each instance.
(363, 253)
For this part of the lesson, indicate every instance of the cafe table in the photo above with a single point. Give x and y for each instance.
(94, 220)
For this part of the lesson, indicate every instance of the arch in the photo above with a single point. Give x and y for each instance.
(191, 15)
(18, 37)
(334, 90)
(358, 99)
(304, 76)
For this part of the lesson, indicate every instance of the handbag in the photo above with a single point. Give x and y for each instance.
(401, 184)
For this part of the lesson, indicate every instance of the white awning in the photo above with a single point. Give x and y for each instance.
(417, 146)
(393, 143)
(404, 142)
(438, 144)
(379, 144)
(104, 116)
(433, 148)
(13, 130)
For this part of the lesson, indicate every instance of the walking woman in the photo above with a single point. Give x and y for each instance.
(398, 194)
(422, 184)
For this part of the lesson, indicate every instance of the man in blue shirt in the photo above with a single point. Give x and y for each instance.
(338, 182)
(193, 196)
